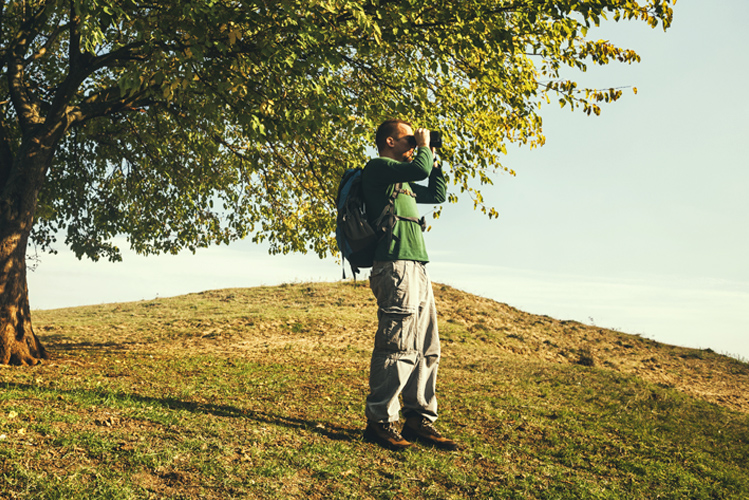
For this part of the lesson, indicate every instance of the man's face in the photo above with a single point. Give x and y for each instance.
(402, 148)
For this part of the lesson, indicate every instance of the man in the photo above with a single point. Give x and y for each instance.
(407, 349)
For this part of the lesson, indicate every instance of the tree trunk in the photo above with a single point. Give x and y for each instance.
(18, 343)
(19, 188)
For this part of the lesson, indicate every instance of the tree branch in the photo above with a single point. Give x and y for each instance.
(81, 67)
(50, 40)
(114, 58)
(6, 153)
(74, 44)
(108, 102)
(26, 104)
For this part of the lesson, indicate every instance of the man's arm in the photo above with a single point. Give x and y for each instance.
(435, 191)
(385, 172)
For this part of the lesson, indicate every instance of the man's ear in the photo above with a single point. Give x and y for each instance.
(390, 142)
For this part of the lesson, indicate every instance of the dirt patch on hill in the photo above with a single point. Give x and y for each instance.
(703, 374)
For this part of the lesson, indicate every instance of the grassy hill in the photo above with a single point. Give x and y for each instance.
(258, 393)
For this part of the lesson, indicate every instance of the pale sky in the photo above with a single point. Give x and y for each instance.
(634, 220)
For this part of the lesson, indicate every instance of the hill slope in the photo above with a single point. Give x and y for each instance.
(255, 393)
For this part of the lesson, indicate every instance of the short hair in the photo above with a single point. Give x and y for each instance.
(387, 129)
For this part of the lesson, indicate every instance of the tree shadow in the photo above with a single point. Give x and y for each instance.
(60, 343)
(330, 431)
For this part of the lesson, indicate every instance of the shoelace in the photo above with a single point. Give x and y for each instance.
(429, 427)
(391, 429)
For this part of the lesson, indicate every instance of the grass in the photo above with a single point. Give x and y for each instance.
(258, 393)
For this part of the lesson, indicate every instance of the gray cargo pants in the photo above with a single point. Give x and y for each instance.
(407, 347)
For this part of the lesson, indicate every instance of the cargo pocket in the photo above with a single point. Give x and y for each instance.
(396, 331)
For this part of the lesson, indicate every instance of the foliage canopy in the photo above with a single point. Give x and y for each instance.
(191, 122)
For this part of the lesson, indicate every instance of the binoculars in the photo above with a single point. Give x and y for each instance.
(435, 139)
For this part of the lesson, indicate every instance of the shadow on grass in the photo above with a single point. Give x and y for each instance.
(62, 344)
(98, 347)
(332, 432)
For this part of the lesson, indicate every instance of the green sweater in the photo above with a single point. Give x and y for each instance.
(378, 181)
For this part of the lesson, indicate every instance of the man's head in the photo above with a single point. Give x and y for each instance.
(395, 140)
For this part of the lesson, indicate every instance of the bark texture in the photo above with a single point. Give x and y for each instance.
(18, 343)
(19, 188)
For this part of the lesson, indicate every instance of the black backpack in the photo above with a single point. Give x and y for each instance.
(357, 239)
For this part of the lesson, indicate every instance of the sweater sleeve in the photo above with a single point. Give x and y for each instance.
(392, 172)
(435, 191)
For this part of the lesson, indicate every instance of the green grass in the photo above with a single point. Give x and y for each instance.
(259, 394)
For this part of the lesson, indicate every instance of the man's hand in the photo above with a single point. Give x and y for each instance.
(422, 137)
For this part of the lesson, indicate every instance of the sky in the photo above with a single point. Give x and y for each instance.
(636, 220)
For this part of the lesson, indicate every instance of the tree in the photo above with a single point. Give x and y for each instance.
(193, 122)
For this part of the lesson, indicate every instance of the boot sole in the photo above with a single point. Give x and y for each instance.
(372, 437)
(411, 435)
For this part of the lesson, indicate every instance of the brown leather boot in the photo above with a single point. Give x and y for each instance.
(385, 435)
(421, 429)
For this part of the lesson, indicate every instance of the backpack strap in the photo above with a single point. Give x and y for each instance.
(388, 218)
